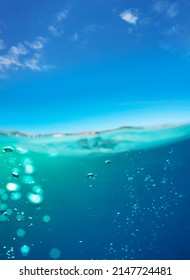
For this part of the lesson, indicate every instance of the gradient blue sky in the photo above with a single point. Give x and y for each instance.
(93, 64)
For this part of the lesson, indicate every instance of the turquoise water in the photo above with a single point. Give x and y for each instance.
(116, 194)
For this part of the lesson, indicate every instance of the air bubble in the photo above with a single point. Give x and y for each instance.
(55, 253)
(29, 169)
(9, 212)
(3, 218)
(19, 217)
(37, 190)
(16, 196)
(20, 232)
(28, 180)
(90, 175)
(46, 218)
(4, 196)
(25, 250)
(8, 149)
(35, 198)
(3, 207)
(12, 187)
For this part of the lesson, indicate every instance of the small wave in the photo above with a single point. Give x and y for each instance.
(94, 143)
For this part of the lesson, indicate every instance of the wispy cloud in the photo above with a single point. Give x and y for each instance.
(129, 16)
(34, 63)
(172, 30)
(55, 28)
(23, 56)
(93, 28)
(20, 49)
(2, 45)
(38, 43)
(53, 31)
(170, 9)
(11, 60)
(62, 15)
(8, 61)
(74, 37)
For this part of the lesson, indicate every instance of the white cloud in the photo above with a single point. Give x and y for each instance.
(8, 61)
(129, 16)
(34, 63)
(53, 31)
(12, 58)
(38, 43)
(2, 45)
(20, 49)
(23, 56)
(170, 9)
(62, 15)
(55, 28)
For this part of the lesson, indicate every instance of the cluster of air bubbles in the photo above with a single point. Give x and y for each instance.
(28, 170)
(20, 216)
(9, 252)
(20, 187)
(28, 180)
(3, 205)
(36, 196)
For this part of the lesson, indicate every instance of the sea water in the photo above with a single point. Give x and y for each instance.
(117, 194)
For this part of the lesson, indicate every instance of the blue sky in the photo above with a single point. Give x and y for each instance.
(93, 64)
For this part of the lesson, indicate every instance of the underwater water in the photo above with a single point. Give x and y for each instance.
(117, 194)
